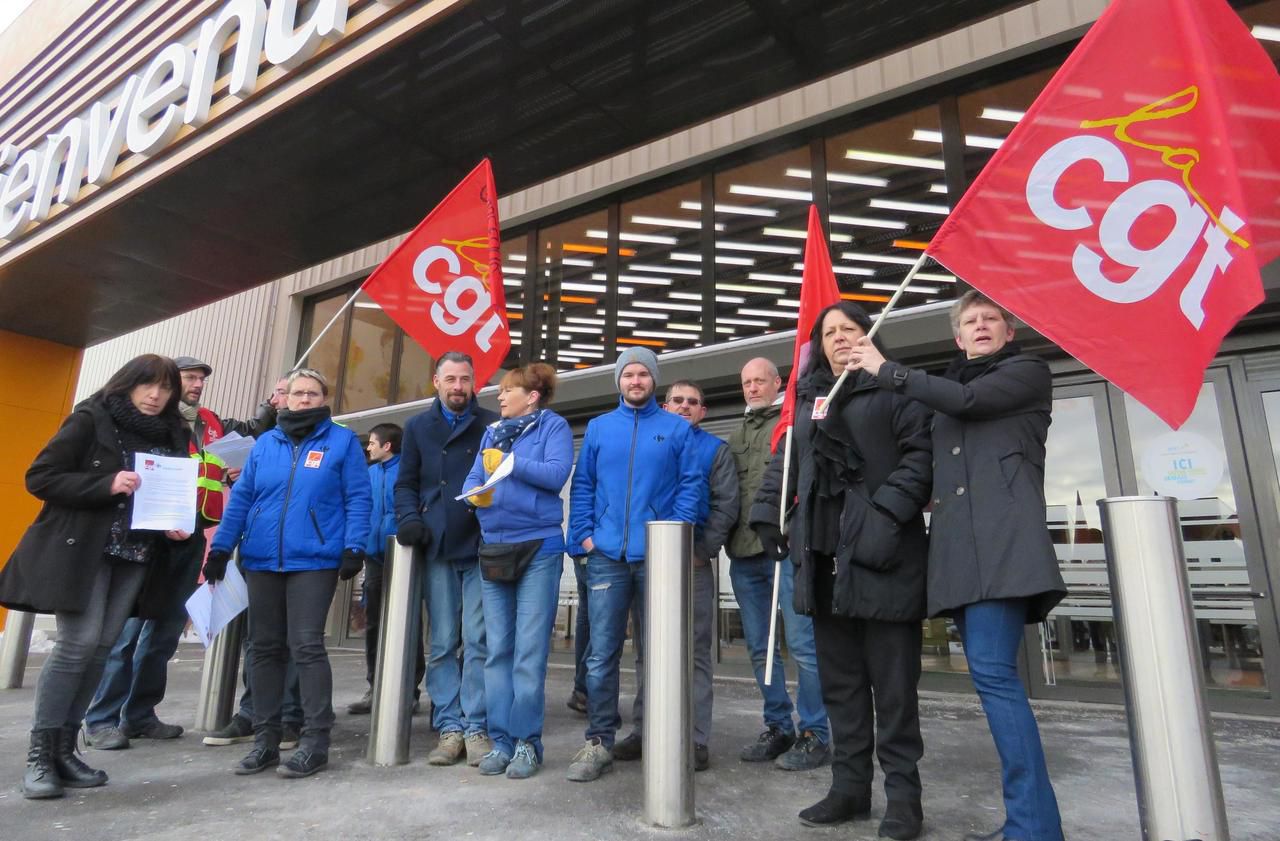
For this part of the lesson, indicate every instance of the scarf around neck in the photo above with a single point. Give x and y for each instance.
(139, 432)
(298, 425)
(507, 430)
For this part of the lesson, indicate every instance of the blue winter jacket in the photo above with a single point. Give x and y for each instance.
(382, 521)
(526, 504)
(297, 507)
(634, 465)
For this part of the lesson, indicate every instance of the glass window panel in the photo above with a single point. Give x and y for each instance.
(1264, 20)
(327, 355)
(660, 282)
(515, 264)
(416, 369)
(759, 210)
(367, 380)
(571, 283)
(888, 196)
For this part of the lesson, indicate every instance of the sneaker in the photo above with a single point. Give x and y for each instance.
(289, 735)
(701, 757)
(768, 746)
(524, 764)
(807, 753)
(494, 763)
(578, 702)
(629, 749)
(155, 729)
(108, 738)
(239, 729)
(303, 763)
(259, 759)
(362, 707)
(589, 763)
(478, 747)
(448, 750)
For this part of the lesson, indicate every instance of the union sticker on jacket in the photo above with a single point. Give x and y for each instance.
(314, 457)
(820, 407)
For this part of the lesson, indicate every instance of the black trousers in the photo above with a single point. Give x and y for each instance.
(287, 612)
(869, 672)
(373, 623)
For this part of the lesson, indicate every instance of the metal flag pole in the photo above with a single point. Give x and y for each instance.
(332, 321)
(777, 565)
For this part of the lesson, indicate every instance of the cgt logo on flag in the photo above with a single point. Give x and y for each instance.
(1128, 214)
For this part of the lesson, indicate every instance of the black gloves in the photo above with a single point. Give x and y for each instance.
(772, 539)
(215, 566)
(410, 533)
(352, 563)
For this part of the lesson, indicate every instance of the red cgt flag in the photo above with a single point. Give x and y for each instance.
(818, 290)
(1128, 214)
(443, 284)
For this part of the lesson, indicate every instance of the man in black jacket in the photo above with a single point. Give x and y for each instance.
(440, 445)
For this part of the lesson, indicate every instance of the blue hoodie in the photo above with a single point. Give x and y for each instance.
(382, 522)
(526, 504)
(297, 507)
(635, 465)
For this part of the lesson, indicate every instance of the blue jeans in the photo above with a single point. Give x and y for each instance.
(581, 631)
(992, 632)
(136, 674)
(518, 620)
(455, 665)
(753, 588)
(611, 586)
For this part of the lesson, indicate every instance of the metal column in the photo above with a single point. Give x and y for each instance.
(392, 711)
(221, 676)
(14, 647)
(1174, 763)
(668, 728)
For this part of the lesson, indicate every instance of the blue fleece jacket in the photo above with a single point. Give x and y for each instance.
(526, 504)
(382, 520)
(635, 465)
(296, 507)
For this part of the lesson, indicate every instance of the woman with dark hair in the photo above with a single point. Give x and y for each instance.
(521, 559)
(300, 515)
(992, 567)
(860, 479)
(81, 561)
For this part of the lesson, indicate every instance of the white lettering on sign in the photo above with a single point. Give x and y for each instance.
(1153, 266)
(453, 318)
(150, 107)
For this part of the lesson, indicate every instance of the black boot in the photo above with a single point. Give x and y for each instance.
(837, 807)
(41, 780)
(73, 772)
(902, 821)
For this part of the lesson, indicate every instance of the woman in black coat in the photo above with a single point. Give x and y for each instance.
(860, 478)
(992, 566)
(80, 560)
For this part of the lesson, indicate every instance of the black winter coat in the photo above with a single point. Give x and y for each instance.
(882, 547)
(57, 560)
(434, 462)
(988, 533)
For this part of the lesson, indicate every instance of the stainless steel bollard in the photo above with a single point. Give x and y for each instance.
(221, 676)
(668, 728)
(392, 712)
(14, 647)
(1174, 762)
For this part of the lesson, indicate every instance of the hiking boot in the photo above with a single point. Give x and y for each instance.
(807, 753)
(262, 757)
(629, 749)
(837, 808)
(903, 820)
(494, 763)
(239, 729)
(524, 764)
(448, 750)
(73, 772)
(108, 738)
(589, 763)
(154, 729)
(478, 747)
(768, 746)
(289, 735)
(41, 780)
(578, 702)
(303, 763)
(701, 757)
(362, 707)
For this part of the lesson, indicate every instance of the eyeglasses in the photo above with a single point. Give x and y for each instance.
(680, 400)
(312, 395)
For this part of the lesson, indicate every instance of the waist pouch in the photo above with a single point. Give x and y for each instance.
(506, 562)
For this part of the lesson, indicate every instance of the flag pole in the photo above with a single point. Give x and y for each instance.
(902, 287)
(777, 565)
(333, 320)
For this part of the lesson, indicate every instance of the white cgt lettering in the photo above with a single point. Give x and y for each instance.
(453, 318)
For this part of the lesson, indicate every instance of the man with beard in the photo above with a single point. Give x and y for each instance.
(136, 674)
(440, 445)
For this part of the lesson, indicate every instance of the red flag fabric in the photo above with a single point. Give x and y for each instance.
(818, 290)
(1127, 215)
(443, 284)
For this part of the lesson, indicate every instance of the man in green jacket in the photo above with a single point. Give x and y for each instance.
(752, 575)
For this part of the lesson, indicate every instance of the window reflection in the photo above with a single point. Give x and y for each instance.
(571, 283)
(366, 382)
(515, 266)
(660, 282)
(326, 357)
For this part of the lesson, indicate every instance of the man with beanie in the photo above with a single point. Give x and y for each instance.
(136, 673)
(636, 464)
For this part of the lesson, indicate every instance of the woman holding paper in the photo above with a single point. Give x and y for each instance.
(521, 559)
(83, 562)
(300, 515)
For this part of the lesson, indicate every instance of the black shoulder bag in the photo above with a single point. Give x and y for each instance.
(505, 563)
